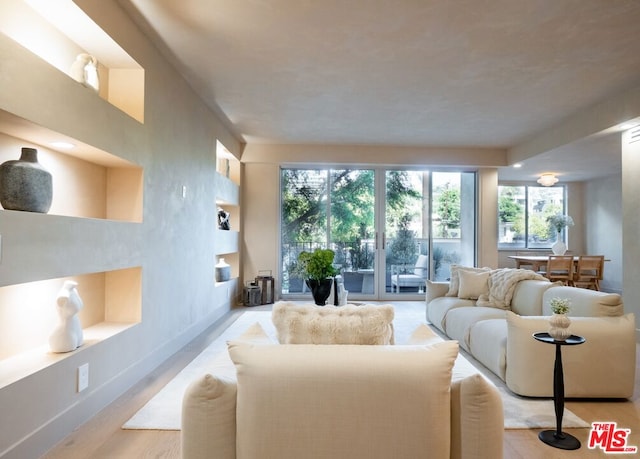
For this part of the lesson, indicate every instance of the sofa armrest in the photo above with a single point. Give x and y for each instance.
(584, 302)
(609, 349)
(209, 418)
(436, 290)
(477, 419)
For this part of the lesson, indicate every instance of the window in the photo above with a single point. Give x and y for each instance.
(522, 216)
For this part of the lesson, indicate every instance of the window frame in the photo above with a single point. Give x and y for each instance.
(526, 245)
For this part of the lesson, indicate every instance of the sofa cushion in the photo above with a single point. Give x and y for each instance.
(280, 385)
(349, 324)
(527, 296)
(488, 345)
(421, 266)
(585, 303)
(473, 284)
(454, 282)
(460, 321)
(438, 308)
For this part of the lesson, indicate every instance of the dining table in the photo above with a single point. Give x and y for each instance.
(537, 261)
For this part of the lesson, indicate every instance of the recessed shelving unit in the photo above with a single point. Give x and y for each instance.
(87, 182)
(90, 232)
(112, 303)
(63, 32)
(227, 242)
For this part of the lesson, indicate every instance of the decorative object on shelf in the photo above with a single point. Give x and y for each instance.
(67, 336)
(25, 185)
(318, 272)
(223, 271)
(251, 294)
(223, 219)
(548, 179)
(267, 286)
(85, 70)
(558, 222)
(559, 322)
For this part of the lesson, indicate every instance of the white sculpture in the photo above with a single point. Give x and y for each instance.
(67, 336)
(85, 70)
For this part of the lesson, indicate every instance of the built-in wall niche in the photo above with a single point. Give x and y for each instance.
(59, 31)
(233, 212)
(233, 259)
(87, 182)
(112, 303)
(227, 165)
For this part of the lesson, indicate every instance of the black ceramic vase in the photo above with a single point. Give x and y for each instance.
(25, 184)
(320, 290)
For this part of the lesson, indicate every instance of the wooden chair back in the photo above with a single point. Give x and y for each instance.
(560, 268)
(589, 271)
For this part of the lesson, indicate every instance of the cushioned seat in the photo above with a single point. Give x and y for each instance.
(415, 279)
(488, 344)
(460, 320)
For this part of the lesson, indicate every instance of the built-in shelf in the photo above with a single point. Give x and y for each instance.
(112, 303)
(226, 242)
(63, 32)
(87, 181)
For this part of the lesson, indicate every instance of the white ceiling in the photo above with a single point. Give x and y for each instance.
(464, 73)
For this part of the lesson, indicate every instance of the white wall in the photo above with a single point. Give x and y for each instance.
(631, 225)
(603, 227)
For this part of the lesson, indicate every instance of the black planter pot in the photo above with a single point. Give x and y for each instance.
(320, 290)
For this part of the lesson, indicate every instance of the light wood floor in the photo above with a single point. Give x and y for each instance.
(101, 437)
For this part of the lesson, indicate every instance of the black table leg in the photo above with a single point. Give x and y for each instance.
(557, 438)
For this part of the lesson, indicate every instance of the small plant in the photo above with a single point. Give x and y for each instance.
(560, 305)
(317, 265)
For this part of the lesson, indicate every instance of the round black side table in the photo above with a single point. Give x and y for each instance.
(557, 438)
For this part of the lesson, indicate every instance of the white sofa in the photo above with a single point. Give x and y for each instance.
(501, 337)
(342, 401)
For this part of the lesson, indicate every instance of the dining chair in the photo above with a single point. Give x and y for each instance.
(560, 268)
(589, 271)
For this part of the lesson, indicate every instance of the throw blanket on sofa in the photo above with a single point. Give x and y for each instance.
(502, 283)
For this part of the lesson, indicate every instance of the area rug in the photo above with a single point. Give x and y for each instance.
(163, 411)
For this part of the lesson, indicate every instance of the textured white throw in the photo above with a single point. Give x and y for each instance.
(502, 283)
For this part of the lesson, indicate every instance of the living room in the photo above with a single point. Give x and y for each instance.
(133, 217)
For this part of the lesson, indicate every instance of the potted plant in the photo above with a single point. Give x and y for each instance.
(318, 272)
(558, 222)
(559, 322)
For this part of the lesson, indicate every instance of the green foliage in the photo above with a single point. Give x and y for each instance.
(448, 208)
(317, 265)
(560, 305)
(403, 248)
(558, 221)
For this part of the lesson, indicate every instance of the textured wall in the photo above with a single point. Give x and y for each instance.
(173, 245)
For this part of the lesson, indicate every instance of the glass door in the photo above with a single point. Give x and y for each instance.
(390, 229)
(429, 224)
(405, 258)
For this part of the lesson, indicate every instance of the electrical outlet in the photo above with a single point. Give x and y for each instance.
(83, 377)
